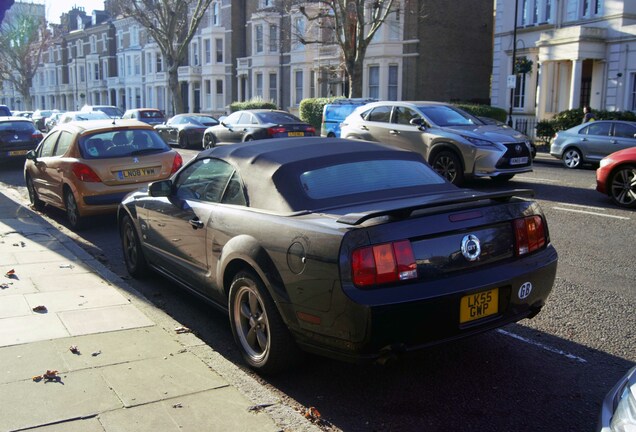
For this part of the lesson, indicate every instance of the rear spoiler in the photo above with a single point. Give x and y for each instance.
(404, 212)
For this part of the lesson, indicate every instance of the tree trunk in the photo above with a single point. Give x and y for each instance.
(354, 73)
(175, 90)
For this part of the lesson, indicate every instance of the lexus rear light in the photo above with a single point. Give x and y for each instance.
(85, 173)
(177, 162)
(275, 130)
(530, 234)
(383, 263)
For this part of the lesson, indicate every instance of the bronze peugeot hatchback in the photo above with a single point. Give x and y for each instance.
(86, 168)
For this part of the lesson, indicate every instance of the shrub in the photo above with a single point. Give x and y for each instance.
(310, 110)
(545, 130)
(484, 111)
(254, 103)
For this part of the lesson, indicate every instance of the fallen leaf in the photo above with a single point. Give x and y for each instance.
(40, 308)
(96, 353)
(181, 330)
(37, 378)
(74, 349)
(177, 405)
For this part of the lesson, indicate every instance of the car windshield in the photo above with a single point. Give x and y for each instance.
(278, 117)
(202, 120)
(447, 116)
(366, 176)
(110, 111)
(120, 143)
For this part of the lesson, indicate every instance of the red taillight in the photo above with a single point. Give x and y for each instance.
(85, 173)
(310, 129)
(384, 263)
(529, 234)
(275, 130)
(176, 163)
(37, 135)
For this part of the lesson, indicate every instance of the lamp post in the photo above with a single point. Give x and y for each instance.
(514, 56)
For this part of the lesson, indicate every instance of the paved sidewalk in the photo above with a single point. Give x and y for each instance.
(131, 371)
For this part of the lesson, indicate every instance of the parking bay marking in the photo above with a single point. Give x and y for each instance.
(591, 213)
(542, 346)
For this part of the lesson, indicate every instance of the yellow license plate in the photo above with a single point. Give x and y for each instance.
(137, 172)
(479, 305)
(295, 133)
(18, 152)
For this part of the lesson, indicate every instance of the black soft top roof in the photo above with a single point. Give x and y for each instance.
(271, 169)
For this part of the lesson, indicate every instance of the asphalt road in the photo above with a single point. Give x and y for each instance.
(545, 374)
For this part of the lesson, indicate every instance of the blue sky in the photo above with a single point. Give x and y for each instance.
(55, 8)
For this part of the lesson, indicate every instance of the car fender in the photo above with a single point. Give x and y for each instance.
(246, 250)
(439, 146)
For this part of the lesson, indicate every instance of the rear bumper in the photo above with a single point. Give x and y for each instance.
(430, 315)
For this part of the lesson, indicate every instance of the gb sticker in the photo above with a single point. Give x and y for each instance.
(525, 290)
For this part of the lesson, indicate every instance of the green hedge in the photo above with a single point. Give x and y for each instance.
(310, 111)
(570, 118)
(254, 103)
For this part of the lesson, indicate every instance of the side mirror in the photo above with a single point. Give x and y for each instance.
(162, 188)
(418, 121)
(32, 156)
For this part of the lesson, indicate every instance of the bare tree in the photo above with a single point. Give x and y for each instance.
(351, 24)
(172, 24)
(23, 39)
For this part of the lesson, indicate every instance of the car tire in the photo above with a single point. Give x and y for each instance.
(36, 202)
(131, 247)
(248, 138)
(183, 142)
(208, 141)
(448, 165)
(259, 331)
(572, 158)
(75, 220)
(622, 186)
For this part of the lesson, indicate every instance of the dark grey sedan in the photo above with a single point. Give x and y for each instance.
(591, 142)
(185, 130)
(249, 125)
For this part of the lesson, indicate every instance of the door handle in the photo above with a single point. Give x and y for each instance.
(613, 141)
(394, 132)
(196, 223)
(364, 128)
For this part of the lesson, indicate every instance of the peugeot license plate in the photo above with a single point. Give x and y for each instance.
(18, 152)
(479, 305)
(137, 172)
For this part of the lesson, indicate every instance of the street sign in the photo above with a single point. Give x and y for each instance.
(512, 81)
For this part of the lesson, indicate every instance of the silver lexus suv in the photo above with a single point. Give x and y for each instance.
(458, 145)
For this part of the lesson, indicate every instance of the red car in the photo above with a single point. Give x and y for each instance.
(616, 177)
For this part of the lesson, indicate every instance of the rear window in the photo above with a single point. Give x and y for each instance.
(5, 111)
(277, 117)
(367, 176)
(150, 114)
(17, 126)
(121, 143)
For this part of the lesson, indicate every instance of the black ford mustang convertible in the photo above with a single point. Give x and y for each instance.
(344, 248)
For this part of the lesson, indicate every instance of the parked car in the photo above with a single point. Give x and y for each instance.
(492, 121)
(73, 116)
(618, 412)
(616, 177)
(152, 116)
(18, 135)
(335, 112)
(86, 168)
(457, 144)
(52, 121)
(25, 114)
(5, 111)
(110, 110)
(591, 142)
(39, 117)
(256, 124)
(351, 249)
(186, 130)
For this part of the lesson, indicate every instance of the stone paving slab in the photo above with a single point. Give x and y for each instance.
(31, 328)
(82, 425)
(77, 299)
(205, 411)
(152, 380)
(14, 306)
(78, 394)
(24, 256)
(47, 283)
(81, 322)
